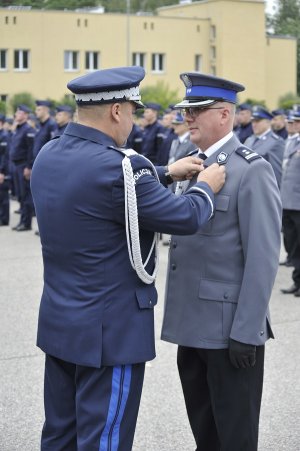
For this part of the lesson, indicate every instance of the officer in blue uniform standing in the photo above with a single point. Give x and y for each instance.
(63, 115)
(4, 174)
(244, 129)
(97, 208)
(154, 134)
(47, 126)
(22, 143)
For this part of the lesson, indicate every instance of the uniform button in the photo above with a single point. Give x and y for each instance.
(226, 296)
(173, 266)
(174, 244)
(261, 332)
(150, 302)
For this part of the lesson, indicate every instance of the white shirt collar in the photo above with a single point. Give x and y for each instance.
(212, 149)
(183, 137)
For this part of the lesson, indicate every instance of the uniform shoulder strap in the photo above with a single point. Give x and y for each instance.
(248, 154)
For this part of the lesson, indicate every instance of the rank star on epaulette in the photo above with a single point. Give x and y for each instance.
(222, 157)
(248, 154)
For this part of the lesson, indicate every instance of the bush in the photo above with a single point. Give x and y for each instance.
(22, 98)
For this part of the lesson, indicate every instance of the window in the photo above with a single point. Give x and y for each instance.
(157, 62)
(71, 60)
(3, 97)
(21, 59)
(138, 59)
(213, 32)
(213, 70)
(198, 63)
(91, 60)
(213, 52)
(3, 59)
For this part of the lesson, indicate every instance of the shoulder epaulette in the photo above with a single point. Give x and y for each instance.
(276, 136)
(127, 152)
(248, 154)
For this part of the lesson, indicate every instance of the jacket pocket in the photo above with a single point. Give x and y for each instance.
(216, 224)
(146, 297)
(214, 290)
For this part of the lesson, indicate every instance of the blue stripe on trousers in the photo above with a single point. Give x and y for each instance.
(121, 379)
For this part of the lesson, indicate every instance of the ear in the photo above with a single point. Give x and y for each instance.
(115, 111)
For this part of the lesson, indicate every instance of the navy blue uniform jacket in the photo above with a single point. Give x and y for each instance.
(94, 309)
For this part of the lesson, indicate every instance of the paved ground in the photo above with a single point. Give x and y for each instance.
(162, 424)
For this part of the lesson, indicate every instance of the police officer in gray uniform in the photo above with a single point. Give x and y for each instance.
(264, 141)
(290, 196)
(220, 280)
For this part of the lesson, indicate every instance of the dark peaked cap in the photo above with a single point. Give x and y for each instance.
(119, 84)
(203, 90)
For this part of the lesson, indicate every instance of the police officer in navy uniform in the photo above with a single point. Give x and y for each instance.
(154, 134)
(264, 141)
(22, 143)
(135, 139)
(220, 280)
(278, 123)
(97, 208)
(63, 115)
(4, 174)
(244, 128)
(47, 126)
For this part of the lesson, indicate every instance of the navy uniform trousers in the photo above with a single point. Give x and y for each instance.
(82, 417)
(212, 387)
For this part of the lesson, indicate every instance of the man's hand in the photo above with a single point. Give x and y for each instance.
(241, 355)
(214, 176)
(2, 178)
(27, 173)
(185, 168)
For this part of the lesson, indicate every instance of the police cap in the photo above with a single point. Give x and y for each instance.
(46, 103)
(24, 108)
(279, 112)
(259, 112)
(203, 90)
(66, 108)
(178, 119)
(245, 107)
(119, 84)
(153, 106)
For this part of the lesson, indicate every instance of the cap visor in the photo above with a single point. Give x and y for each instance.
(191, 103)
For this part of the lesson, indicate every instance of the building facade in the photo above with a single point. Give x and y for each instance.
(41, 50)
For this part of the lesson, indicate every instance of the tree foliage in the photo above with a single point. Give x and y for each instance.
(22, 98)
(110, 6)
(159, 93)
(286, 21)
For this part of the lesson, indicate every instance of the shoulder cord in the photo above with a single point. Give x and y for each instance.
(132, 227)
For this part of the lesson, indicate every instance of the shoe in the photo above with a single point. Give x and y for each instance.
(18, 211)
(293, 289)
(22, 228)
(16, 227)
(297, 293)
(3, 223)
(37, 233)
(286, 262)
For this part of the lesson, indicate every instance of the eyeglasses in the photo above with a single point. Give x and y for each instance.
(195, 111)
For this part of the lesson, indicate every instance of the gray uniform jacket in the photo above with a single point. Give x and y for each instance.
(180, 149)
(271, 147)
(220, 279)
(290, 182)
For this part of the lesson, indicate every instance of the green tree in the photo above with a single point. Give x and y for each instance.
(286, 21)
(2, 107)
(160, 93)
(22, 98)
(288, 100)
